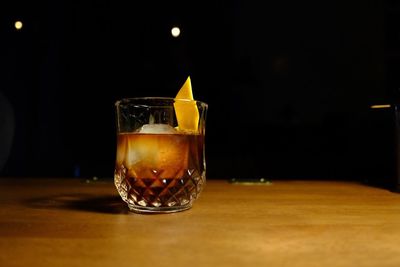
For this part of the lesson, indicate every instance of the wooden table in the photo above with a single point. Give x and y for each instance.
(69, 222)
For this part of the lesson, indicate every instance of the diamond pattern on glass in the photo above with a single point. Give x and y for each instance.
(160, 192)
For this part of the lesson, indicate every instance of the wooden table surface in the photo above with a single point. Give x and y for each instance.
(69, 222)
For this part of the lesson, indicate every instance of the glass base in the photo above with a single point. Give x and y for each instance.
(155, 210)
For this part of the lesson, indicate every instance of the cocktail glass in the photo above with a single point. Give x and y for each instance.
(160, 165)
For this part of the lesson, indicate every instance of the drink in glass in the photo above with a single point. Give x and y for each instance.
(160, 161)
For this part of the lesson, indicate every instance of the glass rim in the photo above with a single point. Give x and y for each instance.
(127, 100)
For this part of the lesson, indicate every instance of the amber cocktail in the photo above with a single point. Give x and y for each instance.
(160, 161)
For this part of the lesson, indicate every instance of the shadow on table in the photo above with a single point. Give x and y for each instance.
(82, 202)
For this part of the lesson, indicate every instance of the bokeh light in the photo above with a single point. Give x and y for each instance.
(18, 25)
(175, 31)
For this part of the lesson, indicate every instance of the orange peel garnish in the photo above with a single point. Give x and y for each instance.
(187, 113)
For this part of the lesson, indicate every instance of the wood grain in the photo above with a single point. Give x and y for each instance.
(68, 222)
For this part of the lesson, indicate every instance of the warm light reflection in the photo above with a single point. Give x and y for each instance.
(381, 106)
(175, 31)
(18, 25)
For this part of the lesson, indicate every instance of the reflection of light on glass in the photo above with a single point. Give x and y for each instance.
(175, 31)
(380, 106)
(18, 25)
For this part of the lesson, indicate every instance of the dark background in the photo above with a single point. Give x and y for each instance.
(289, 85)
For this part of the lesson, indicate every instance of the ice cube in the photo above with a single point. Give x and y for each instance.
(157, 128)
(162, 156)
